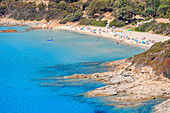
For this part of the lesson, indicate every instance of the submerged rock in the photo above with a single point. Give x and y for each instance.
(7, 31)
(35, 28)
(120, 105)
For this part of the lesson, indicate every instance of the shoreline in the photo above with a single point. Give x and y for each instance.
(107, 37)
(127, 83)
(118, 38)
(130, 38)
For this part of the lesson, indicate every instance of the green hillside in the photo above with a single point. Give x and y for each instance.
(158, 57)
(73, 10)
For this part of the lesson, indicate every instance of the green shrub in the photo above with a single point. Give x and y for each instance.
(117, 23)
(101, 17)
(76, 17)
(64, 21)
(93, 22)
(158, 28)
(99, 23)
(133, 23)
(41, 6)
(85, 21)
(157, 57)
(72, 18)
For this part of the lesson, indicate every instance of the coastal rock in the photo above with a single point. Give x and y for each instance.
(116, 80)
(164, 107)
(9, 22)
(132, 98)
(114, 63)
(103, 91)
(104, 75)
(127, 83)
(7, 31)
(130, 83)
(120, 79)
(76, 76)
(127, 104)
(35, 28)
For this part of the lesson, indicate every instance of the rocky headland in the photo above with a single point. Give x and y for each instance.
(128, 83)
(131, 81)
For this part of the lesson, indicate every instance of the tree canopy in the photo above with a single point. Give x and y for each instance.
(60, 9)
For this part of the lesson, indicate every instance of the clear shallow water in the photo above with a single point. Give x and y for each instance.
(27, 56)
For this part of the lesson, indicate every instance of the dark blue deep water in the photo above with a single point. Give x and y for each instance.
(30, 66)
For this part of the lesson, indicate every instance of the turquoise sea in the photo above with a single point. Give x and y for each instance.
(30, 66)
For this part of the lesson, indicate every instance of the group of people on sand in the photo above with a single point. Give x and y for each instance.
(122, 36)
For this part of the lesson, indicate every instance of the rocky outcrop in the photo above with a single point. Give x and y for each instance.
(7, 31)
(164, 107)
(39, 27)
(12, 23)
(140, 78)
(77, 76)
(35, 28)
(128, 83)
(103, 91)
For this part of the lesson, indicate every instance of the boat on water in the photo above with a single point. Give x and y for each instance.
(50, 40)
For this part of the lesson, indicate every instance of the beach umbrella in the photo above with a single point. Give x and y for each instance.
(143, 42)
(128, 30)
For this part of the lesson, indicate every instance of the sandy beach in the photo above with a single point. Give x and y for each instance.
(119, 35)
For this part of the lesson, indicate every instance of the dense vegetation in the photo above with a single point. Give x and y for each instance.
(93, 22)
(117, 23)
(158, 57)
(73, 10)
(158, 28)
(72, 18)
